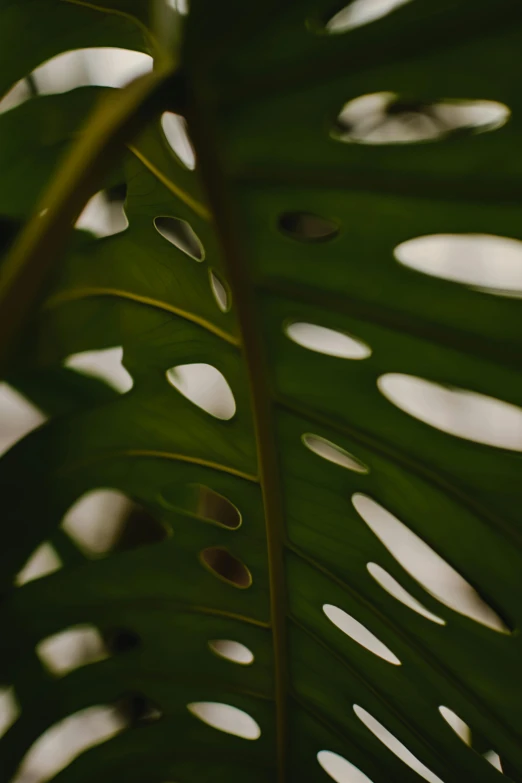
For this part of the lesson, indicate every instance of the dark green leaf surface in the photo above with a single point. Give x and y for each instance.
(262, 92)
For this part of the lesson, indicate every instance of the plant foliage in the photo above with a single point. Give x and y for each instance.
(276, 259)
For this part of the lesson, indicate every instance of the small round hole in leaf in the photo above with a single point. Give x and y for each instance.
(206, 387)
(220, 291)
(328, 341)
(329, 451)
(223, 564)
(226, 718)
(232, 651)
(307, 227)
(180, 234)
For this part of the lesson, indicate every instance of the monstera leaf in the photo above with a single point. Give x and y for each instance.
(315, 441)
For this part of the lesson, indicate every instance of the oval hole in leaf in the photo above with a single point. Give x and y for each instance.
(9, 709)
(67, 650)
(327, 341)
(57, 747)
(95, 520)
(457, 724)
(423, 564)
(359, 633)
(393, 744)
(105, 364)
(42, 562)
(361, 12)
(387, 118)
(329, 451)
(226, 718)
(204, 502)
(307, 227)
(232, 651)
(459, 412)
(122, 640)
(220, 291)
(180, 234)
(223, 564)
(340, 769)
(388, 583)
(103, 216)
(211, 505)
(206, 387)
(488, 262)
(175, 129)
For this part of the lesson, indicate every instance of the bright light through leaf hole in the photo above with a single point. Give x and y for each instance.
(395, 745)
(42, 562)
(57, 747)
(102, 66)
(424, 564)
(328, 341)
(206, 387)
(180, 234)
(227, 718)
(232, 651)
(95, 520)
(9, 709)
(340, 769)
(105, 364)
(387, 118)
(332, 453)
(457, 724)
(359, 633)
(388, 583)
(489, 263)
(220, 291)
(67, 650)
(361, 12)
(103, 216)
(459, 412)
(176, 132)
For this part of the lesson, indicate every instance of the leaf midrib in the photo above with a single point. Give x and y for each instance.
(201, 125)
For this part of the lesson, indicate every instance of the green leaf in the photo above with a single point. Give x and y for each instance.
(354, 520)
